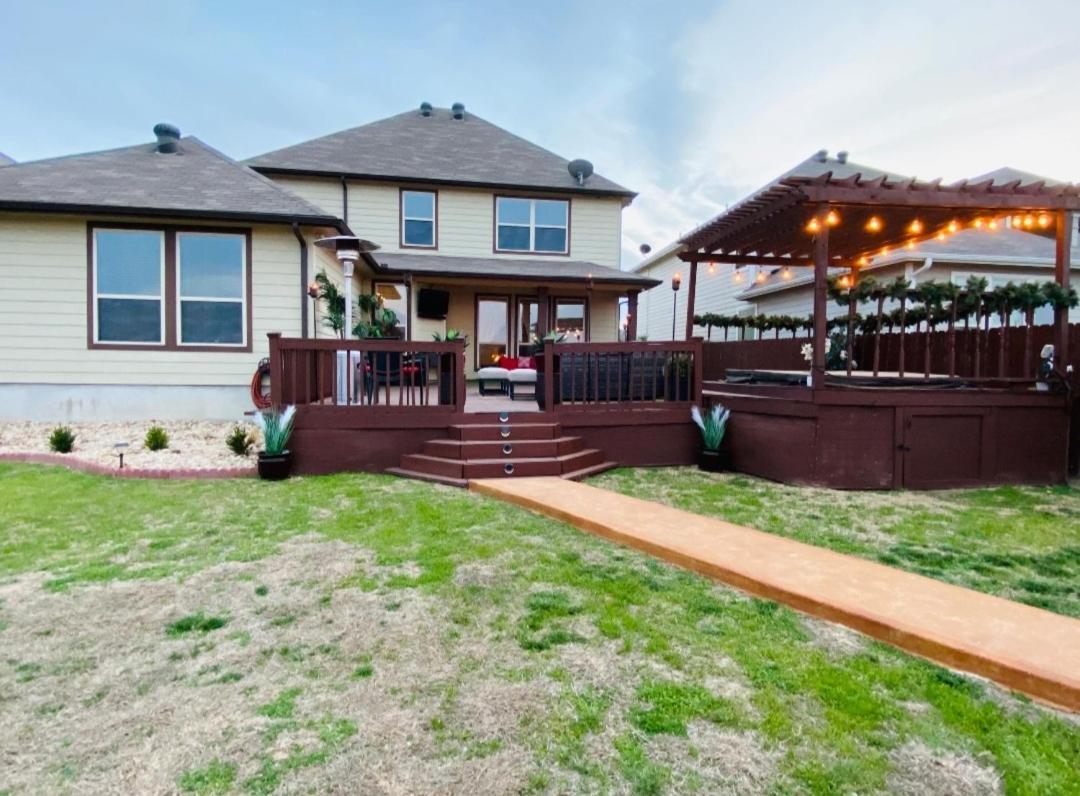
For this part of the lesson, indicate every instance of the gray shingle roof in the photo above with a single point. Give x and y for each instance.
(435, 149)
(498, 268)
(197, 181)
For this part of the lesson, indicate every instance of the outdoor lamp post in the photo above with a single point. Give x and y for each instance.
(347, 249)
(676, 283)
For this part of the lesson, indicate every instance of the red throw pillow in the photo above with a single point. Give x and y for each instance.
(506, 362)
(526, 362)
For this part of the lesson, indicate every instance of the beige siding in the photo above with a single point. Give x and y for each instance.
(716, 292)
(465, 219)
(43, 311)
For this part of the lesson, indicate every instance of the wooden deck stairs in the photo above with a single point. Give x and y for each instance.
(502, 448)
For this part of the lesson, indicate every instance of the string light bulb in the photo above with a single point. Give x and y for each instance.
(786, 273)
(874, 224)
(1044, 220)
(978, 223)
(910, 244)
(760, 277)
(1017, 221)
(813, 226)
(915, 227)
(941, 236)
(712, 269)
(992, 223)
(844, 281)
(884, 250)
(833, 218)
(953, 226)
(863, 260)
(738, 276)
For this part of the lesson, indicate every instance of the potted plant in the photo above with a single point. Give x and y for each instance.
(446, 363)
(275, 460)
(712, 425)
(551, 338)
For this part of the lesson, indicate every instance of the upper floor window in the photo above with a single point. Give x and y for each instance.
(211, 288)
(418, 223)
(532, 225)
(129, 286)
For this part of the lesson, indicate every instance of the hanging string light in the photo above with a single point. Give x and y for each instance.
(954, 226)
(1029, 221)
(874, 224)
(712, 269)
(915, 227)
(1044, 220)
(813, 226)
(833, 218)
(786, 273)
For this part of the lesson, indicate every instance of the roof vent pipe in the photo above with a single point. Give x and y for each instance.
(458, 110)
(842, 156)
(425, 108)
(822, 156)
(168, 137)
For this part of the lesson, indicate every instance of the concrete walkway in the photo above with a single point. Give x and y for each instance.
(1023, 648)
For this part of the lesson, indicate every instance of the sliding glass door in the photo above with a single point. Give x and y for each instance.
(492, 329)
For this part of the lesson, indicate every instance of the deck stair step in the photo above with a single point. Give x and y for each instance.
(503, 448)
(476, 432)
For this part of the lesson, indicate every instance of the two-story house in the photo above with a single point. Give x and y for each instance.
(142, 281)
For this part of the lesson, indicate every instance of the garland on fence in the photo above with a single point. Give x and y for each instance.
(926, 307)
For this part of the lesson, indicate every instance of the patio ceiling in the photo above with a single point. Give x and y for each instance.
(870, 213)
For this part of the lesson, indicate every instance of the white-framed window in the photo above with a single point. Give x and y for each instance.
(418, 219)
(210, 289)
(129, 286)
(535, 226)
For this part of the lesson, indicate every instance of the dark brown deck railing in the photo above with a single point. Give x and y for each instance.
(370, 375)
(620, 376)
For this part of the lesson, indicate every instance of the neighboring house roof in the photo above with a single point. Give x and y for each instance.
(656, 256)
(5, 160)
(197, 181)
(1004, 247)
(493, 268)
(434, 149)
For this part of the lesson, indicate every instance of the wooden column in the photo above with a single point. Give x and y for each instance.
(631, 315)
(690, 296)
(408, 307)
(543, 311)
(1062, 272)
(821, 279)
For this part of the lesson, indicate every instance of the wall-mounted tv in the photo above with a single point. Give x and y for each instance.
(432, 304)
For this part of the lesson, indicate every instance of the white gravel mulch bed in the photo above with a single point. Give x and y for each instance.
(193, 444)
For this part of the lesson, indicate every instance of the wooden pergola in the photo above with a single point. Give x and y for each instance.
(828, 213)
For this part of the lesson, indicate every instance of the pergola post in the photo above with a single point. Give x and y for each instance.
(1062, 272)
(821, 278)
(690, 296)
(631, 315)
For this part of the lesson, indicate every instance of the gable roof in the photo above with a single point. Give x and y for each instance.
(197, 181)
(434, 149)
(5, 160)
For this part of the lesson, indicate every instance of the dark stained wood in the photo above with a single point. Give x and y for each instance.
(821, 276)
(1062, 272)
(631, 315)
(691, 296)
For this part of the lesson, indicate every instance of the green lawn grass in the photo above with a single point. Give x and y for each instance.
(1022, 543)
(832, 722)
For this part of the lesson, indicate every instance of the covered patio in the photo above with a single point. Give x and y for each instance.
(867, 429)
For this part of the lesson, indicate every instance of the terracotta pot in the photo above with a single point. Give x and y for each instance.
(275, 467)
(712, 461)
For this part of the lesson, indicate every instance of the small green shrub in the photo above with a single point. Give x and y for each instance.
(62, 440)
(157, 439)
(195, 623)
(240, 440)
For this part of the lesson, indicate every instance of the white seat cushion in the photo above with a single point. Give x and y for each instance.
(522, 376)
(492, 373)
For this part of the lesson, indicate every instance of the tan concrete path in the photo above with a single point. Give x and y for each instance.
(1023, 648)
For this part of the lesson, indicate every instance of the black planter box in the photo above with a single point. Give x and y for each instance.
(276, 467)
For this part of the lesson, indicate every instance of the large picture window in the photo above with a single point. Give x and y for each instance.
(129, 280)
(210, 288)
(418, 219)
(169, 287)
(535, 226)
(492, 329)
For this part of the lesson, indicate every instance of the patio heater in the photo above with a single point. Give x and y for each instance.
(347, 249)
(676, 283)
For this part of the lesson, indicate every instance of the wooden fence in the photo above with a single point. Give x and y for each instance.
(997, 353)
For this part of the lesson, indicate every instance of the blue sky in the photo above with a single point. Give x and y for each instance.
(691, 104)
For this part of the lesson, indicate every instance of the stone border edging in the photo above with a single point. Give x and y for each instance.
(81, 465)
